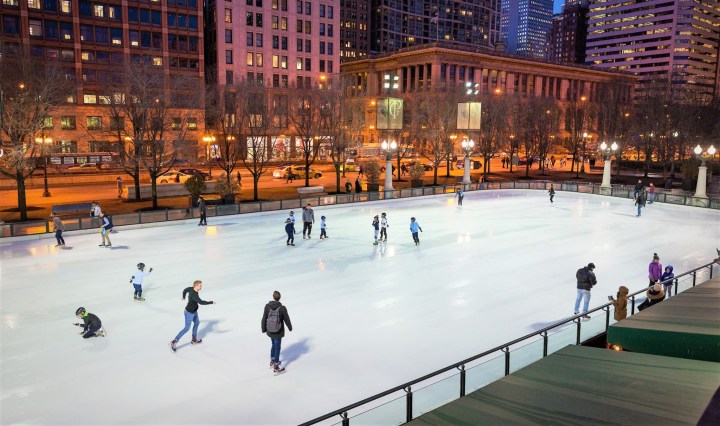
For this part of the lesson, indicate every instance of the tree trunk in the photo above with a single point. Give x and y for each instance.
(136, 181)
(153, 185)
(22, 198)
(337, 176)
(307, 169)
(255, 187)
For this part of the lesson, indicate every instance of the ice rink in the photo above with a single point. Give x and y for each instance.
(365, 317)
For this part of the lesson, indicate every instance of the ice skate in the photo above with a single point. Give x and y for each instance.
(195, 341)
(173, 345)
(140, 299)
(101, 245)
(375, 243)
(272, 364)
(278, 369)
(101, 333)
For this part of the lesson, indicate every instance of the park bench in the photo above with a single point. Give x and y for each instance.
(311, 190)
(72, 209)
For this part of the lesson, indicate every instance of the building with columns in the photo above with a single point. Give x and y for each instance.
(438, 67)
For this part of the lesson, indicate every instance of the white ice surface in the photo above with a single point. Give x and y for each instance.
(366, 318)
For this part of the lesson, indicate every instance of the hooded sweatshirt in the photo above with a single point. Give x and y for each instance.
(655, 270)
(667, 276)
(620, 303)
(308, 215)
(284, 319)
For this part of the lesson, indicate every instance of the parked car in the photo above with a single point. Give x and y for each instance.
(174, 176)
(298, 172)
(180, 162)
(428, 166)
(195, 172)
(83, 167)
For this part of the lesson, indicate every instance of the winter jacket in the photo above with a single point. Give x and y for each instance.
(655, 294)
(641, 199)
(655, 271)
(375, 224)
(308, 215)
(358, 186)
(585, 278)
(57, 223)
(284, 319)
(414, 226)
(289, 228)
(193, 300)
(667, 277)
(91, 321)
(107, 223)
(620, 303)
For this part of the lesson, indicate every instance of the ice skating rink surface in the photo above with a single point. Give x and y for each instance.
(366, 318)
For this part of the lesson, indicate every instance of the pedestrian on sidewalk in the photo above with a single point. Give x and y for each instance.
(360, 171)
(288, 175)
(308, 216)
(348, 187)
(191, 314)
(202, 205)
(105, 229)
(414, 228)
(383, 227)
(275, 318)
(119, 186)
(136, 280)
(585, 282)
(58, 228)
(358, 185)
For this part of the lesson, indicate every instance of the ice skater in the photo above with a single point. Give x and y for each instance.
(551, 193)
(58, 228)
(414, 228)
(383, 227)
(92, 326)
(105, 229)
(586, 280)
(460, 195)
(275, 318)
(290, 231)
(191, 314)
(376, 228)
(308, 216)
(640, 201)
(292, 220)
(137, 279)
(95, 212)
(323, 228)
(203, 212)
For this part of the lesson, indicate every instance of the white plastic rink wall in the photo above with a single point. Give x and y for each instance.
(365, 318)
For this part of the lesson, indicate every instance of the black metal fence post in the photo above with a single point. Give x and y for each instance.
(408, 404)
(607, 317)
(507, 360)
(711, 270)
(676, 286)
(462, 380)
(345, 419)
(694, 277)
(632, 304)
(12, 229)
(166, 215)
(47, 226)
(545, 343)
(139, 216)
(577, 342)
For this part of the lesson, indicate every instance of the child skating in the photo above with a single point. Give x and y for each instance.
(414, 228)
(323, 228)
(383, 227)
(290, 231)
(376, 228)
(460, 195)
(137, 279)
(92, 326)
(551, 193)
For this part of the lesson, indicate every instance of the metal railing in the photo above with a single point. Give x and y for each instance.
(404, 408)
(71, 224)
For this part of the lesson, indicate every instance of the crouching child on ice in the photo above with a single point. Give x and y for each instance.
(92, 326)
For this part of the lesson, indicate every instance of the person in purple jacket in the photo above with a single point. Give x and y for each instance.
(655, 270)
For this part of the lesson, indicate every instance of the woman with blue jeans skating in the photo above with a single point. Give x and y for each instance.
(191, 314)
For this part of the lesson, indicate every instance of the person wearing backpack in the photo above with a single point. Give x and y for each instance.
(275, 317)
(105, 229)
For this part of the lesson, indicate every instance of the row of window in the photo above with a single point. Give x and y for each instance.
(86, 8)
(278, 80)
(95, 122)
(255, 59)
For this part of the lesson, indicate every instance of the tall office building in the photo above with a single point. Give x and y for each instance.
(397, 24)
(525, 25)
(663, 41)
(354, 29)
(92, 40)
(277, 43)
(569, 32)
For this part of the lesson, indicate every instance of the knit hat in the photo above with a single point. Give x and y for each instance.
(655, 256)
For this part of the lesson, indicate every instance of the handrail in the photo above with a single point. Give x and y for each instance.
(342, 411)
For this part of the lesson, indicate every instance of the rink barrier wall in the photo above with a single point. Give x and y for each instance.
(402, 403)
(42, 229)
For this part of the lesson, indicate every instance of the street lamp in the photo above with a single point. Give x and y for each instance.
(702, 172)
(586, 136)
(608, 151)
(208, 139)
(388, 147)
(45, 142)
(467, 146)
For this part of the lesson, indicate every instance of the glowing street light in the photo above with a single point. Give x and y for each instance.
(607, 151)
(388, 146)
(702, 172)
(467, 146)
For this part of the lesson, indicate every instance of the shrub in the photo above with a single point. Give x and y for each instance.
(417, 171)
(372, 171)
(195, 185)
(222, 187)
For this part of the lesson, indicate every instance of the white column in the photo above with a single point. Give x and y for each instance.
(388, 174)
(701, 183)
(606, 174)
(466, 172)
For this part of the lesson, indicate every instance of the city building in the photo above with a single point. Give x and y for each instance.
(276, 43)
(441, 66)
(525, 25)
(672, 42)
(93, 40)
(397, 24)
(569, 33)
(354, 29)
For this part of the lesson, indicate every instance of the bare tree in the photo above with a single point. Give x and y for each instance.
(494, 125)
(225, 121)
(253, 106)
(306, 116)
(338, 123)
(30, 90)
(542, 117)
(437, 111)
(578, 121)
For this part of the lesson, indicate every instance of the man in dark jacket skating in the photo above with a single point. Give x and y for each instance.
(275, 318)
(585, 282)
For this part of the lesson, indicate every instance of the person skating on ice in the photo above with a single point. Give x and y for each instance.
(137, 279)
(292, 220)
(105, 228)
(586, 280)
(275, 318)
(308, 217)
(202, 205)
(383, 227)
(414, 228)
(460, 195)
(290, 231)
(92, 326)
(58, 228)
(191, 314)
(376, 228)
(323, 228)
(551, 193)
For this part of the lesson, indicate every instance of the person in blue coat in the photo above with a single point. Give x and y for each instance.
(290, 231)
(667, 280)
(414, 228)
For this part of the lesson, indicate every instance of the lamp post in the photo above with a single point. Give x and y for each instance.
(467, 146)
(208, 139)
(388, 147)
(607, 151)
(45, 142)
(702, 172)
(585, 138)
